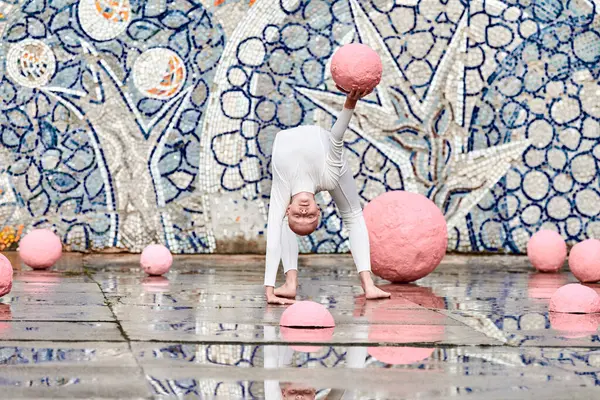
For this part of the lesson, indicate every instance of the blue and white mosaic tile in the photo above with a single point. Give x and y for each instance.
(129, 122)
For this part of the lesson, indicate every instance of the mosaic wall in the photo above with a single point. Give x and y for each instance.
(126, 122)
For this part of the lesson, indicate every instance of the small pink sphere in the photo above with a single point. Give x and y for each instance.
(547, 251)
(356, 64)
(575, 298)
(408, 236)
(156, 260)
(6, 275)
(584, 261)
(40, 249)
(307, 314)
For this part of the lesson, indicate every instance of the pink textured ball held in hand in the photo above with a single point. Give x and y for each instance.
(575, 298)
(307, 314)
(156, 259)
(547, 251)
(40, 249)
(6, 275)
(584, 261)
(356, 65)
(408, 236)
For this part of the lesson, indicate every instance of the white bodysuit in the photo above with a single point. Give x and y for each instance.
(310, 159)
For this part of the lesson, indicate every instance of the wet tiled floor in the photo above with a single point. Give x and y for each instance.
(477, 327)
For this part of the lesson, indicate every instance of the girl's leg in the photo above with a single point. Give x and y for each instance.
(289, 258)
(347, 200)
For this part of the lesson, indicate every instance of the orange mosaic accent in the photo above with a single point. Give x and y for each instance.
(171, 80)
(113, 10)
(9, 236)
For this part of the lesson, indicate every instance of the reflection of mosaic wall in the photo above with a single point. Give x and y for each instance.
(131, 121)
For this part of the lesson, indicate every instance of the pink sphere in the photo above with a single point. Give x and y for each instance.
(307, 314)
(156, 259)
(408, 236)
(575, 298)
(356, 64)
(547, 251)
(584, 260)
(6, 276)
(40, 249)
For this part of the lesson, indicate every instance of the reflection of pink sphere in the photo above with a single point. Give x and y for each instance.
(307, 314)
(40, 249)
(356, 64)
(574, 325)
(403, 334)
(155, 284)
(408, 236)
(156, 259)
(543, 286)
(547, 251)
(306, 335)
(6, 275)
(575, 298)
(584, 260)
(400, 355)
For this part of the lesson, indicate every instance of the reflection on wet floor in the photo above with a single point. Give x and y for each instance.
(476, 327)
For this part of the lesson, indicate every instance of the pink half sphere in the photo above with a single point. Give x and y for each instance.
(40, 249)
(408, 236)
(6, 276)
(547, 251)
(156, 259)
(307, 314)
(574, 326)
(356, 65)
(584, 260)
(575, 298)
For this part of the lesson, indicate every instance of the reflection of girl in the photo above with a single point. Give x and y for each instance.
(276, 357)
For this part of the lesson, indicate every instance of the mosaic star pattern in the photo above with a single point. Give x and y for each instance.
(126, 123)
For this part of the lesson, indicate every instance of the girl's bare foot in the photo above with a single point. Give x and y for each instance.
(286, 290)
(273, 299)
(372, 292)
(289, 288)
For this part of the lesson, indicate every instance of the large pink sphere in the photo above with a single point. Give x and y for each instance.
(307, 314)
(408, 236)
(575, 298)
(40, 249)
(6, 276)
(584, 260)
(356, 64)
(156, 259)
(547, 251)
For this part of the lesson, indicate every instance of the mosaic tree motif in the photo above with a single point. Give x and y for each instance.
(102, 108)
(546, 90)
(410, 134)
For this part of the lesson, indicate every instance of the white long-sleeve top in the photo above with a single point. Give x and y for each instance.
(304, 159)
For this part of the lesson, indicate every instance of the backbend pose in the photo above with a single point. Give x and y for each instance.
(307, 160)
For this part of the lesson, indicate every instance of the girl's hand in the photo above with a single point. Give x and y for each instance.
(355, 95)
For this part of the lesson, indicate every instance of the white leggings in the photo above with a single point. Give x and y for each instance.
(346, 199)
